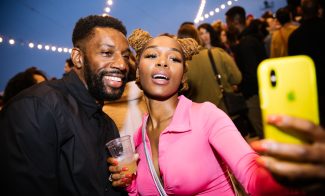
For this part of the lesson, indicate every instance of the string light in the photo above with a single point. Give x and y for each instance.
(32, 45)
(48, 47)
(11, 41)
(202, 16)
(107, 8)
(200, 11)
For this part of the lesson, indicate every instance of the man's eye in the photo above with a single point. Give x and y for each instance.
(107, 53)
(151, 56)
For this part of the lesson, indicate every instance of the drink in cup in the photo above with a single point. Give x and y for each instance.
(121, 149)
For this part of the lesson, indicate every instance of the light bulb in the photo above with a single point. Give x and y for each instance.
(11, 41)
(31, 45)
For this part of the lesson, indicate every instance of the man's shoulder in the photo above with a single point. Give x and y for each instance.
(46, 89)
(49, 92)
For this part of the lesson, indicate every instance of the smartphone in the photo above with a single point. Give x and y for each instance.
(287, 85)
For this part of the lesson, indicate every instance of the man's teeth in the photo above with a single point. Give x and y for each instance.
(117, 79)
(160, 76)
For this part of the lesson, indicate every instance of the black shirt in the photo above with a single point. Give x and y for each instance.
(249, 53)
(52, 141)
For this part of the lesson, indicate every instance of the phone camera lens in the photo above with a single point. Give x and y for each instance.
(273, 78)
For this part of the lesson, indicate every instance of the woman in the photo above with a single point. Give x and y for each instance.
(208, 36)
(192, 145)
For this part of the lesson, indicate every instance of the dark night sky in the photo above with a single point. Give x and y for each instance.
(51, 22)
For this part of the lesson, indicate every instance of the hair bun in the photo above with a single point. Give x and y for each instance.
(138, 39)
(189, 46)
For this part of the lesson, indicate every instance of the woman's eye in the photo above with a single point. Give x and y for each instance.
(150, 56)
(175, 59)
(126, 56)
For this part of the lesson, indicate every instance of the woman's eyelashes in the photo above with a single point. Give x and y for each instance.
(171, 57)
(176, 59)
(150, 56)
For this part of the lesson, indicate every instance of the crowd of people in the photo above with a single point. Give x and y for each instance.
(168, 98)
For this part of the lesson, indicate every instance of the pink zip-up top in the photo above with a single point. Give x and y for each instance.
(193, 153)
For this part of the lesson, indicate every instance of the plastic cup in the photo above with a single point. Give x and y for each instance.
(121, 149)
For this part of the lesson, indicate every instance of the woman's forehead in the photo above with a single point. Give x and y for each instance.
(164, 41)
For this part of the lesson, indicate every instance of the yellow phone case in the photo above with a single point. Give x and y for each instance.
(287, 85)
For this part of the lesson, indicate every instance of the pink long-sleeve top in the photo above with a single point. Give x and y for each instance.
(193, 153)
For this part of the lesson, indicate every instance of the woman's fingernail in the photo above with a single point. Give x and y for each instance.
(274, 119)
(125, 169)
(128, 175)
(257, 146)
(260, 161)
(115, 162)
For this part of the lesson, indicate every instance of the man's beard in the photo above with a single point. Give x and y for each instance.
(96, 86)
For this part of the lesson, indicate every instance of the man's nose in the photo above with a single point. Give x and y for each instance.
(120, 63)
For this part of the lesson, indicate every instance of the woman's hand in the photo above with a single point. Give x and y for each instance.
(117, 178)
(297, 165)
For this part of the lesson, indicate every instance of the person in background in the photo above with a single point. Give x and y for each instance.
(187, 23)
(185, 136)
(68, 66)
(272, 26)
(201, 80)
(279, 40)
(208, 36)
(21, 81)
(53, 135)
(249, 52)
(249, 19)
(295, 165)
(189, 31)
(309, 40)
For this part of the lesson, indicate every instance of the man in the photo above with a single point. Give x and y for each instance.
(53, 135)
(249, 53)
(279, 40)
(309, 40)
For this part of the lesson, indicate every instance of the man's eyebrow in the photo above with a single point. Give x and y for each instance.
(113, 46)
(155, 46)
(109, 45)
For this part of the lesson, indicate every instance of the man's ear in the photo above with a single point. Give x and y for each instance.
(77, 58)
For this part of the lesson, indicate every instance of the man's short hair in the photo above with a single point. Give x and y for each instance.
(238, 13)
(283, 15)
(85, 26)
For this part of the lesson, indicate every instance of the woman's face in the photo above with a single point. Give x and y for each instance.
(161, 67)
(223, 36)
(204, 36)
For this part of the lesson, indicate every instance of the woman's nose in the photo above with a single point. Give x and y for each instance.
(162, 62)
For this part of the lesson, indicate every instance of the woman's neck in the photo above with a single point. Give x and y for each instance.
(208, 46)
(161, 112)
